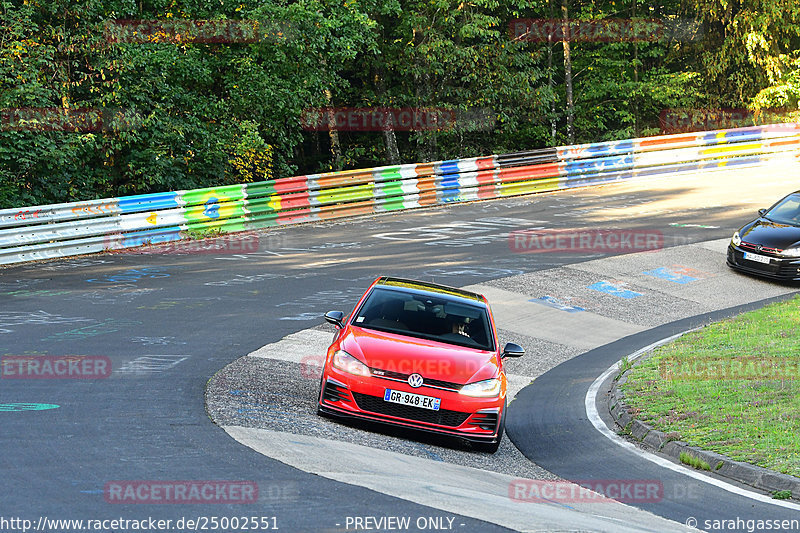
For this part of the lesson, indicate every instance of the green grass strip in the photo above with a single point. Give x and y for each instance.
(732, 387)
(696, 462)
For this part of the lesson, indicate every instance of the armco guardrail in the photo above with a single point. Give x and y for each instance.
(61, 230)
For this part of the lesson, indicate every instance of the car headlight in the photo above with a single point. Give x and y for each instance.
(482, 389)
(791, 252)
(347, 363)
(736, 240)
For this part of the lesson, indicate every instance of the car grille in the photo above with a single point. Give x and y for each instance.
(766, 250)
(427, 382)
(442, 417)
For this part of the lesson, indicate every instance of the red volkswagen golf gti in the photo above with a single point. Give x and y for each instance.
(422, 356)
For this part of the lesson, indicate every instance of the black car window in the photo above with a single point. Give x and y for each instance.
(787, 211)
(426, 316)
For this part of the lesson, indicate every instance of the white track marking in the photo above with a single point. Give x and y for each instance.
(597, 422)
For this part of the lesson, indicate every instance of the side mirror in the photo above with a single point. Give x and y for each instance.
(336, 318)
(762, 212)
(512, 350)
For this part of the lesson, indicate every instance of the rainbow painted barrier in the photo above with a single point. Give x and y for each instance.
(61, 230)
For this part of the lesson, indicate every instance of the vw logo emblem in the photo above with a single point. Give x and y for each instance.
(415, 380)
(759, 247)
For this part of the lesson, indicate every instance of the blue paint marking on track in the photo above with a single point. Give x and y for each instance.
(431, 454)
(670, 275)
(27, 406)
(549, 301)
(614, 290)
(249, 407)
(131, 275)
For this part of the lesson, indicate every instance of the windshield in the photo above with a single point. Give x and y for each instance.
(787, 211)
(426, 316)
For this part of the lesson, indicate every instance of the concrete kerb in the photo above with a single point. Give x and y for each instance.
(664, 444)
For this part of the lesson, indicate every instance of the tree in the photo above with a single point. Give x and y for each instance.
(747, 45)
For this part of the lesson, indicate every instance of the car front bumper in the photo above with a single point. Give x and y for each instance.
(779, 268)
(474, 419)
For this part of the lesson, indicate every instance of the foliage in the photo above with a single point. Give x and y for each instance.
(252, 156)
(745, 45)
(93, 106)
(784, 93)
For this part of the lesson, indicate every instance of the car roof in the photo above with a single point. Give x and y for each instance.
(425, 286)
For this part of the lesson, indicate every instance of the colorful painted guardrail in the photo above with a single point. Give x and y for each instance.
(61, 230)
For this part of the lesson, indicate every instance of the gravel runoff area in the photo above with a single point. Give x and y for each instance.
(281, 396)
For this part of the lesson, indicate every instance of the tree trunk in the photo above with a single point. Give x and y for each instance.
(550, 82)
(389, 137)
(568, 74)
(635, 95)
(336, 147)
(426, 141)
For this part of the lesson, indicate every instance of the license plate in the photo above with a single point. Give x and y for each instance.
(757, 258)
(414, 400)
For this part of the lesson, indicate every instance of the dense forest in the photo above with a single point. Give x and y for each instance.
(103, 98)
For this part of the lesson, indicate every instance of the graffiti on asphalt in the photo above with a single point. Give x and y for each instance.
(132, 275)
(31, 318)
(109, 325)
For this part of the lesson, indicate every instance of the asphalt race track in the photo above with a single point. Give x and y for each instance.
(169, 323)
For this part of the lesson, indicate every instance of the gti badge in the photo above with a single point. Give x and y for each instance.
(415, 380)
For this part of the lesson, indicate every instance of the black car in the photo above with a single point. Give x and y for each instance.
(769, 246)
